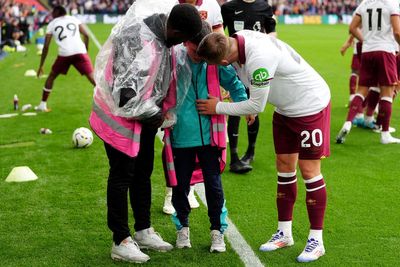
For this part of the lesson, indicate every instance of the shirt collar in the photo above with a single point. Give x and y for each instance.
(241, 45)
(198, 2)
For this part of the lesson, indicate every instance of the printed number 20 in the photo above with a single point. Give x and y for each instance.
(315, 135)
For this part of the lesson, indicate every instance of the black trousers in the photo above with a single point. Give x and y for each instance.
(185, 160)
(131, 175)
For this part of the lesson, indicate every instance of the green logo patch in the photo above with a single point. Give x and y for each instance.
(260, 77)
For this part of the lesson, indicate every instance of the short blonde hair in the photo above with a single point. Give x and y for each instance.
(213, 48)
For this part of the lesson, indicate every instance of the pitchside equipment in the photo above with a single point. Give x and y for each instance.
(82, 137)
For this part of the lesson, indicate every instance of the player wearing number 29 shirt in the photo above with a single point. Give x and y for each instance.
(66, 31)
(380, 33)
(276, 73)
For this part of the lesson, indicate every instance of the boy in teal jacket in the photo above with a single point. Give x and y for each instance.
(196, 136)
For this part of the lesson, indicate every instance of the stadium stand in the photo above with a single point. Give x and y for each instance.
(313, 7)
(94, 6)
(18, 21)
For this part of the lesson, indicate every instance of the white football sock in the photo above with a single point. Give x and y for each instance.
(285, 227)
(316, 234)
(43, 104)
(369, 119)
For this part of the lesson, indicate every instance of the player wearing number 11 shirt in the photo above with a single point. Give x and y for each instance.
(380, 34)
(275, 73)
(66, 31)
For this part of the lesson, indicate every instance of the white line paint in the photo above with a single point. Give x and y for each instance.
(234, 237)
(238, 243)
(92, 36)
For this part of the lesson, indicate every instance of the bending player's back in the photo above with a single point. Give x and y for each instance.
(296, 88)
(65, 31)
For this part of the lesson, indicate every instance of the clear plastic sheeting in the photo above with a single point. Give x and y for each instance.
(134, 68)
(183, 83)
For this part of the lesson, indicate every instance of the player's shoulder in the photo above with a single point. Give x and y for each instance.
(211, 3)
(249, 34)
(261, 4)
(231, 5)
(72, 19)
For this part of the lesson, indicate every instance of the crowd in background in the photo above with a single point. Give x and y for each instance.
(94, 6)
(280, 7)
(18, 22)
(314, 7)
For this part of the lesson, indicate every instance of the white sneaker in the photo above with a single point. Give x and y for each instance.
(388, 139)
(183, 238)
(194, 204)
(379, 130)
(341, 137)
(149, 239)
(217, 241)
(312, 251)
(128, 251)
(168, 208)
(278, 240)
(42, 109)
(21, 48)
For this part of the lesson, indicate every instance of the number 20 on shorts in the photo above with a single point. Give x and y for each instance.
(314, 137)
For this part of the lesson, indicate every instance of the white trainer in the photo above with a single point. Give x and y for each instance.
(41, 109)
(149, 239)
(217, 241)
(168, 208)
(341, 137)
(128, 251)
(194, 204)
(388, 139)
(312, 252)
(278, 240)
(183, 238)
(379, 130)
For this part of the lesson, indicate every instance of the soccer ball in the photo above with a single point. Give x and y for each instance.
(82, 137)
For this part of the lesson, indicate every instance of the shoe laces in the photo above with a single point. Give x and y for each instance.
(217, 238)
(183, 235)
(131, 244)
(276, 236)
(155, 236)
(311, 245)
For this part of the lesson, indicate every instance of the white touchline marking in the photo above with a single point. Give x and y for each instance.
(238, 243)
(233, 235)
(92, 36)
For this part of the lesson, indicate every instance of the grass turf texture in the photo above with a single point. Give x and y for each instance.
(60, 219)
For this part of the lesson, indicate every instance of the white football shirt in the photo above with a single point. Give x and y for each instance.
(209, 11)
(277, 74)
(65, 31)
(376, 26)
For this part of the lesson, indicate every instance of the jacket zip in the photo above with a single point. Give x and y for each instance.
(197, 97)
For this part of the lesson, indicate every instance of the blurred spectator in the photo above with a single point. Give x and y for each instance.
(16, 22)
(314, 7)
(94, 6)
(280, 7)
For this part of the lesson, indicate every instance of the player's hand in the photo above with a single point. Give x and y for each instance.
(39, 72)
(169, 120)
(250, 119)
(343, 50)
(207, 106)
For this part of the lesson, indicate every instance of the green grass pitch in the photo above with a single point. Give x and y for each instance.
(60, 219)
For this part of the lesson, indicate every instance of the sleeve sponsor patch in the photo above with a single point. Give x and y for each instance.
(260, 78)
